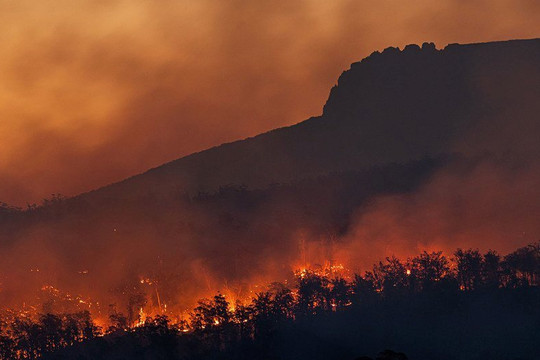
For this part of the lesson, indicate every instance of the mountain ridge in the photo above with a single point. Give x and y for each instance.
(369, 91)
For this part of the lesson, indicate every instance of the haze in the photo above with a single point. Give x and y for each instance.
(94, 91)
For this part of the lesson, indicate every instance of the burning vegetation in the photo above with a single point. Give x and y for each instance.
(223, 322)
(287, 259)
(379, 173)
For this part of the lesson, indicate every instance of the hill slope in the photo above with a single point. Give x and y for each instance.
(371, 177)
(394, 106)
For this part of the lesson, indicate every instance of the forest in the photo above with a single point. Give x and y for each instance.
(468, 305)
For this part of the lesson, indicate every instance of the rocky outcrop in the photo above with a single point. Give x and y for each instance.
(393, 106)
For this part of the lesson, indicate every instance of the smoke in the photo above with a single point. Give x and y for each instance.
(492, 202)
(99, 90)
(94, 91)
(485, 206)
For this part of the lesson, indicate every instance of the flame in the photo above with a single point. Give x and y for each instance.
(327, 270)
(141, 318)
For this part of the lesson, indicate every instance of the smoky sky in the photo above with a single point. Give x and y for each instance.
(94, 91)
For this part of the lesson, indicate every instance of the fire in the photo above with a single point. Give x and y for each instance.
(142, 317)
(147, 296)
(326, 270)
(301, 273)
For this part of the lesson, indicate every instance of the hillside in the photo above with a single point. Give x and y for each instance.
(394, 106)
(415, 149)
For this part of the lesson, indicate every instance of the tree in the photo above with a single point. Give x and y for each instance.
(389, 277)
(213, 320)
(312, 293)
(243, 316)
(523, 265)
(202, 316)
(469, 269)
(220, 310)
(282, 304)
(119, 322)
(50, 334)
(26, 335)
(340, 292)
(430, 268)
(491, 269)
(362, 289)
(88, 330)
(262, 315)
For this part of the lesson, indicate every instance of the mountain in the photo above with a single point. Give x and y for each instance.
(415, 149)
(393, 106)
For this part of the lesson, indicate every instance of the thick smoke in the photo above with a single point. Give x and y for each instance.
(492, 202)
(95, 91)
(93, 99)
(487, 206)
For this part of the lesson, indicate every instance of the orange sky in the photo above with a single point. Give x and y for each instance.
(93, 91)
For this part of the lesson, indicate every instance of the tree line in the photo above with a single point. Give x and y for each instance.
(217, 329)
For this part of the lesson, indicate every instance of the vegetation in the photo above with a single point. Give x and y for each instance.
(471, 306)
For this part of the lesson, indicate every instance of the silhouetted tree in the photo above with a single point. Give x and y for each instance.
(118, 321)
(202, 316)
(283, 304)
(260, 327)
(243, 316)
(491, 270)
(262, 306)
(389, 277)
(469, 268)
(523, 265)
(362, 289)
(220, 310)
(340, 292)
(313, 293)
(50, 332)
(430, 269)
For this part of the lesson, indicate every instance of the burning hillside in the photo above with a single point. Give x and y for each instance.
(416, 150)
(327, 293)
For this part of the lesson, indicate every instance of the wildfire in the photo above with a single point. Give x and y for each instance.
(142, 317)
(326, 288)
(147, 296)
(237, 294)
(327, 270)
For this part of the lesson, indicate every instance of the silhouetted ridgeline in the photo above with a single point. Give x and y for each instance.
(394, 106)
